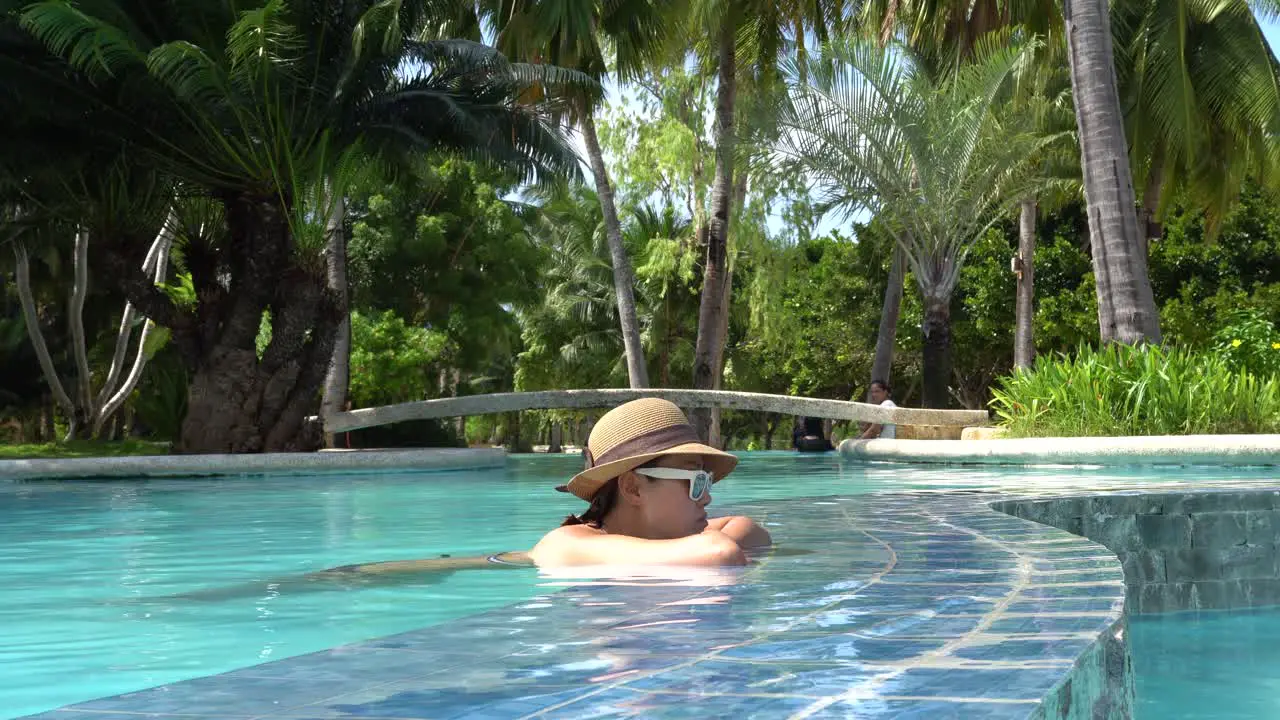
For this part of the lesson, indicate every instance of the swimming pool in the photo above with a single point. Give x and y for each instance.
(91, 570)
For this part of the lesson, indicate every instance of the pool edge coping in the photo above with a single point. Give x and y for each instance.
(1143, 450)
(194, 466)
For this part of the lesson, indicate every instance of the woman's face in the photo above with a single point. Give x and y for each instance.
(665, 504)
(879, 394)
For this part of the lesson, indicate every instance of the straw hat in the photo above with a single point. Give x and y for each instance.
(634, 433)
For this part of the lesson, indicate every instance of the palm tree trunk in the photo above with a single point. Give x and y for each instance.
(715, 274)
(1126, 307)
(937, 351)
(623, 277)
(338, 377)
(713, 434)
(32, 319)
(1024, 346)
(882, 366)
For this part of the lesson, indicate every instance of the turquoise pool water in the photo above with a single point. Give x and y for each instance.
(1224, 666)
(103, 580)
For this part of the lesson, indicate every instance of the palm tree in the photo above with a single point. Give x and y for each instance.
(256, 108)
(751, 35)
(572, 337)
(1126, 306)
(590, 37)
(928, 156)
(1041, 103)
(1200, 88)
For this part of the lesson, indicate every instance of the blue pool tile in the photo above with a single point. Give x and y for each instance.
(723, 677)
(1051, 624)
(399, 701)
(345, 668)
(87, 715)
(1017, 650)
(878, 709)
(627, 704)
(1008, 684)
(841, 647)
(225, 695)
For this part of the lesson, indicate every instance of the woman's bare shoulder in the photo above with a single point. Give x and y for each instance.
(556, 546)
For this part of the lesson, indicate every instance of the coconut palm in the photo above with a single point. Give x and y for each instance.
(1201, 93)
(592, 37)
(256, 107)
(928, 156)
(1126, 306)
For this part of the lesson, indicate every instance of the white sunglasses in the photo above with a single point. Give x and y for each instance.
(699, 480)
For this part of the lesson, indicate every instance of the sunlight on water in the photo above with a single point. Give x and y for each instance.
(91, 570)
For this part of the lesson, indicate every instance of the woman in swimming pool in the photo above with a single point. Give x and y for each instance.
(648, 481)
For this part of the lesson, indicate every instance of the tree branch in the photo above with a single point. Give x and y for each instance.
(33, 330)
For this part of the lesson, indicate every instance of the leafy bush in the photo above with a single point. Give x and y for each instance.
(391, 361)
(1249, 341)
(1124, 390)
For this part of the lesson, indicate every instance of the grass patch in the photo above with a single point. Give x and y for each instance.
(83, 448)
(1125, 390)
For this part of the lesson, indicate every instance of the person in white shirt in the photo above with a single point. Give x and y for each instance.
(879, 396)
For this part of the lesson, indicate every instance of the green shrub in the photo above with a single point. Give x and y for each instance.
(1249, 341)
(1124, 390)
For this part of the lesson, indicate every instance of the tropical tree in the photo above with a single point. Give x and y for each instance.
(1041, 103)
(593, 37)
(1200, 88)
(745, 39)
(256, 107)
(1126, 306)
(928, 156)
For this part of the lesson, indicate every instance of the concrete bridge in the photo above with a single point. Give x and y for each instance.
(587, 399)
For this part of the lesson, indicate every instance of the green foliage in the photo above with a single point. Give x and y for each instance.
(160, 401)
(1250, 342)
(391, 361)
(817, 335)
(1126, 390)
(443, 249)
(83, 449)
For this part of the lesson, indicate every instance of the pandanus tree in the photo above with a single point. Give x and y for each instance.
(927, 154)
(256, 105)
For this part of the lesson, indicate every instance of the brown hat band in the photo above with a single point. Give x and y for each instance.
(650, 442)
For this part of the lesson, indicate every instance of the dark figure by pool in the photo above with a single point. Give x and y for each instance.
(809, 437)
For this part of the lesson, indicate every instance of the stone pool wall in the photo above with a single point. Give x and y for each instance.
(1100, 686)
(1203, 550)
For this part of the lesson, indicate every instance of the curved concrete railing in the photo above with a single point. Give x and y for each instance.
(582, 399)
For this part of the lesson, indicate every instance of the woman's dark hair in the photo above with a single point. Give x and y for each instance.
(600, 506)
(605, 498)
(883, 386)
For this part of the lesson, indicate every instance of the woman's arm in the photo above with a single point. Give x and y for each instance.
(746, 532)
(583, 545)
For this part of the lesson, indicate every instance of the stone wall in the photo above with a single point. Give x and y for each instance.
(1208, 550)
(1180, 550)
(1100, 686)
